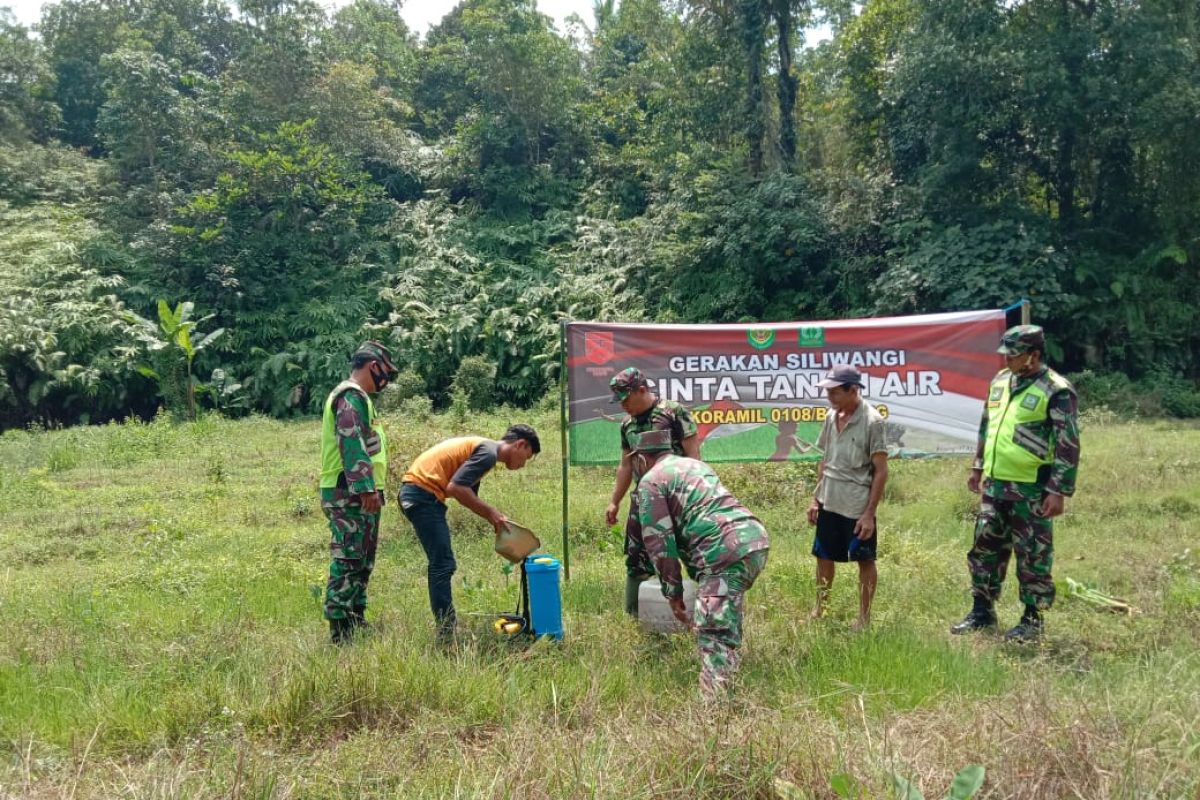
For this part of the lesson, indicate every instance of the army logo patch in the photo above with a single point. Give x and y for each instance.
(598, 347)
(760, 338)
(812, 336)
(1030, 401)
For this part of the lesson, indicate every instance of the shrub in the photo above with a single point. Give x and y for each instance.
(57, 174)
(67, 353)
(1111, 390)
(1161, 392)
(1176, 395)
(419, 408)
(408, 385)
(475, 383)
(458, 410)
(64, 455)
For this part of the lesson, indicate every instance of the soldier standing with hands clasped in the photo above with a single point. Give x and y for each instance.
(1025, 465)
(353, 470)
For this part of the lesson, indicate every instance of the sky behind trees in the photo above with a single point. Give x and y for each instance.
(419, 14)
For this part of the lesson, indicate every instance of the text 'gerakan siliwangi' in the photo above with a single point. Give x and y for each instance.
(764, 362)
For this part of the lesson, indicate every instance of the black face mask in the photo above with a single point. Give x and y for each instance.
(379, 375)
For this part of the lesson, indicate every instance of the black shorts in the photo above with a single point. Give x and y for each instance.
(835, 539)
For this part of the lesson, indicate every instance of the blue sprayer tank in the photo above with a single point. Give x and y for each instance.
(545, 601)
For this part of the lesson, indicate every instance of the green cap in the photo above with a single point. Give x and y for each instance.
(377, 351)
(625, 382)
(1021, 339)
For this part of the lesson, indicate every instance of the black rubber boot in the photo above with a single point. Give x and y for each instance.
(1029, 629)
(340, 631)
(358, 620)
(981, 617)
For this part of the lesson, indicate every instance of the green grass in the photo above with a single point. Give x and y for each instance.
(160, 588)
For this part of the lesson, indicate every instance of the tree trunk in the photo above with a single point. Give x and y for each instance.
(1064, 178)
(784, 25)
(753, 23)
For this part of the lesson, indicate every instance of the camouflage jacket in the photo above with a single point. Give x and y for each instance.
(350, 413)
(1059, 477)
(687, 513)
(663, 415)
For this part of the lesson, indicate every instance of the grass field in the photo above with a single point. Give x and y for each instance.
(162, 638)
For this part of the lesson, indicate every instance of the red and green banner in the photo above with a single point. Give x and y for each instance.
(752, 388)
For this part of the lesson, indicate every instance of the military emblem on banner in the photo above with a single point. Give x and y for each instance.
(812, 336)
(598, 347)
(760, 338)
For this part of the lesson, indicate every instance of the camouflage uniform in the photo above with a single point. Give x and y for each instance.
(355, 533)
(1006, 521)
(348, 445)
(664, 415)
(686, 513)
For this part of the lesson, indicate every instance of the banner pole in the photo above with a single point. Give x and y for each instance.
(1024, 309)
(562, 427)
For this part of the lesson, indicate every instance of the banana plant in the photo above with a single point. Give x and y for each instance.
(176, 341)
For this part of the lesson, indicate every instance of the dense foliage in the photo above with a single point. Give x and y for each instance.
(308, 178)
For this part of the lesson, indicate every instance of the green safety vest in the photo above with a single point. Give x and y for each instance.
(1019, 441)
(331, 456)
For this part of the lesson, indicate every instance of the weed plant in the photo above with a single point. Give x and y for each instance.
(161, 589)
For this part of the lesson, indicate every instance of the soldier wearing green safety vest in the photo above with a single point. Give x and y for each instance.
(1025, 465)
(353, 471)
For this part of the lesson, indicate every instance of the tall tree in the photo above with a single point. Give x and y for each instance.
(277, 64)
(26, 85)
(513, 87)
(752, 25)
(145, 121)
(372, 33)
(196, 35)
(78, 33)
(785, 14)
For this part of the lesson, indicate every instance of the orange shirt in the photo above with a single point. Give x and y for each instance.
(434, 468)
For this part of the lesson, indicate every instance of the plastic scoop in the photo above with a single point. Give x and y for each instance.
(515, 542)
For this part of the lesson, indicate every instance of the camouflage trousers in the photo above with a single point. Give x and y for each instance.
(354, 537)
(1005, 526)
(718, 618)
(637, 560)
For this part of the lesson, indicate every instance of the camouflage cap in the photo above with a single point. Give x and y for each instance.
(1021, 339)
(652, 442)
(625, 382)
(377, 351)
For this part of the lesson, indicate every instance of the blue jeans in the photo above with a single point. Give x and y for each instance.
(428, 517)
